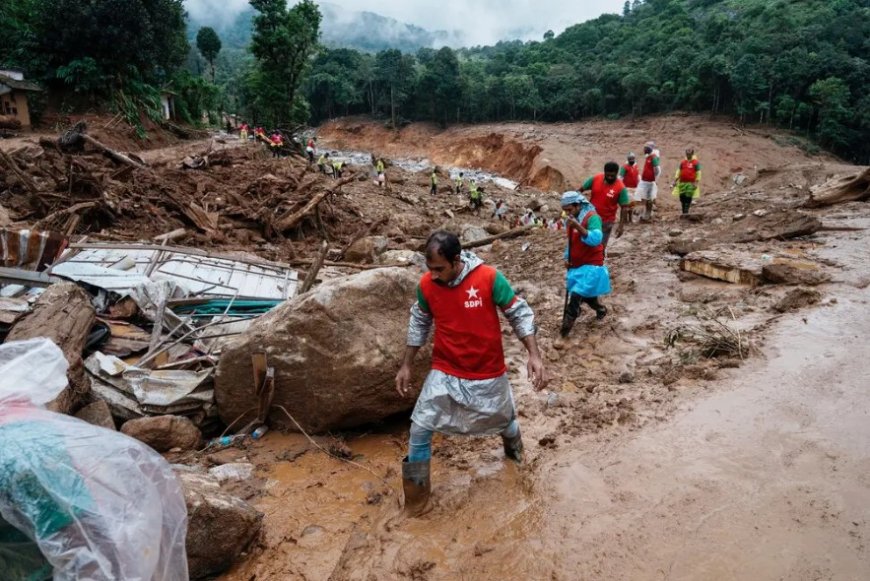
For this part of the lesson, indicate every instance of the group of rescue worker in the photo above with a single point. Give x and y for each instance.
(467, 391)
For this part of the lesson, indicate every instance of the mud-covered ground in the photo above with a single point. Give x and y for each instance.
(645, 458)
(702, 430)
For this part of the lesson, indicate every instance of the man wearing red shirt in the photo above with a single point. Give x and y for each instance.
(608, 194)
(630, 176)
(467, 391)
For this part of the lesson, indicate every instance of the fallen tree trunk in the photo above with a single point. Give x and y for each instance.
(117, 156)
(288, 222)
(315, 268)
(22, 177)
(842, 190)
(64, 314)
(44, 222)
(516, 232)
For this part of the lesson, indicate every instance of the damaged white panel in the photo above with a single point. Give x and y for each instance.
(202, 274)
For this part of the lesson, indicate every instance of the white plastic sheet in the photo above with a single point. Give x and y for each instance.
(97, 504)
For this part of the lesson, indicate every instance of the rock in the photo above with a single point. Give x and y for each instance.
(5, 218)
(738, 217)
(232, 472)
(494, 228)
(788, 272)
(682, 247)
(535, 205)
(335, 351)
(760, 213)
(366, 249)
(718, 221)
(796, 299)
(471, 233)
(675, 233)
(776, 226)
(403, 257)
(98, 414)
(626, 377)
(220, 526)
(164, 432)
(449, 214)
(544, 209)
(740, 179)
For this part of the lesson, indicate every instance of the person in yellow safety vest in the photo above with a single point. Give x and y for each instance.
(688, 180)
(337, 168)
(460, 181)
(379, 169)
(475, 196)
(433, 180)
(243, 133)
(322, 162)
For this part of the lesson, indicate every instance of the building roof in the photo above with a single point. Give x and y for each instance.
(18, 85)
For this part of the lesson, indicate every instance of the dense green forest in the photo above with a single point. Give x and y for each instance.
(799, 64)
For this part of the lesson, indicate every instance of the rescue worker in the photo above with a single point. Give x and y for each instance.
(630, 176)
(323, 163)
(586, 278)
(433, 181)
(459, 181)
(688, 180)
(276, 143)
(310, 150)
(608, 194)
(380, 170)
(243, 133)
(337, 168)
(475, 198)
(647, 188)
(467, 390)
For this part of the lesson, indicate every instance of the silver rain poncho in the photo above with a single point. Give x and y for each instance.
(453, 405)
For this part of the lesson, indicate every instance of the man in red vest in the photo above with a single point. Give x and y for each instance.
(608, 194)
(688, 180)
(630, 176)
(647, 188)
(467, 391)
(587, 278)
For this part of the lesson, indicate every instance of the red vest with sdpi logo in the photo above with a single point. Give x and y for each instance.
(468, 340)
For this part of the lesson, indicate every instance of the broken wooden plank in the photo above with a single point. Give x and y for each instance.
(521, 231)
(315, 268)
(733, 267)
(64, 314)
(115, 155)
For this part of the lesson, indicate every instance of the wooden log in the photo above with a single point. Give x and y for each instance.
(64, 314)
(288, 222)
(849, 189)
(74, 209)
(522, 231)
(115, 155)
(22, 177)
(315, 267)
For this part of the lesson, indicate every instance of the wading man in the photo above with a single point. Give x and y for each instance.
(467, 391)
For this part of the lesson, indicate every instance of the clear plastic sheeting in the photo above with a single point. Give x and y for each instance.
(78, 501)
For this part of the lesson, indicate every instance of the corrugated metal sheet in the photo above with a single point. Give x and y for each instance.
(202, 274)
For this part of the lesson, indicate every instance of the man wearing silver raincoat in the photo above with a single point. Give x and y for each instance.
(467, 391)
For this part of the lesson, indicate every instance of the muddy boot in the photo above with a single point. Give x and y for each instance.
(415, 481)
(570, 314)
(513, 447)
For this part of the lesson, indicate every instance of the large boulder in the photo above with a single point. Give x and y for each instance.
(335, 350)
(163, 433)
(219, 526)
(367, 249)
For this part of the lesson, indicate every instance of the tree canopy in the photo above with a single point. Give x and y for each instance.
(209, 45)
(801, 65)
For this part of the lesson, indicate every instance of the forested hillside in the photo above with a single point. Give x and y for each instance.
(801, 64)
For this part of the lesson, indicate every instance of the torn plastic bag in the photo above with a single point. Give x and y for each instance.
(78, 501)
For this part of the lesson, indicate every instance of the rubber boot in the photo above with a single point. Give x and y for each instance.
(415, 482)
(513, 447)
(570, 314)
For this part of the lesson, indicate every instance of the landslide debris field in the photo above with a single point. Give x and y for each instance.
(694, 301)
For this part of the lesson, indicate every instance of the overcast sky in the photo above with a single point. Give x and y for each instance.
(483, 21)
